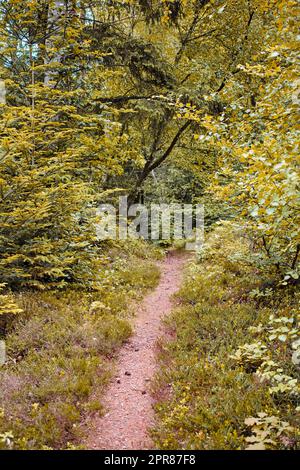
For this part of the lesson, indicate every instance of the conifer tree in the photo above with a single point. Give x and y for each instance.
(55, 150)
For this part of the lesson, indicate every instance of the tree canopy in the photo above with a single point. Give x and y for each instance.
(137, 95)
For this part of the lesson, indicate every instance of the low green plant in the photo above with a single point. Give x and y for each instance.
(8, 308)
(222, 340)
(266, 430)
(60, 349)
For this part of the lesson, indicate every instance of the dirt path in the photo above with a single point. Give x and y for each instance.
(127, 402)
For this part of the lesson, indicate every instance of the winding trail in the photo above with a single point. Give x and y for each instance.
(127, 401)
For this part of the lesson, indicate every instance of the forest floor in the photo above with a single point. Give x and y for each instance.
(128, 403)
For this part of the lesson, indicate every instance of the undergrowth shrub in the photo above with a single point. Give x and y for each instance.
(8, 309)
(229, 374)
(59, 348)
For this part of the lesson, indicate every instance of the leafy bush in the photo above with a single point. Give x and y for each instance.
(264, 430)
(60, 348)
(8, 308)
(215, 369)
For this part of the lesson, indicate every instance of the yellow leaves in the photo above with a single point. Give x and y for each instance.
(262, 144)
(7, 304)
(265, 430)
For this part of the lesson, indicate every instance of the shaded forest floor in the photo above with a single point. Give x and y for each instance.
(229, 364)
(206, 363)
(62, 347)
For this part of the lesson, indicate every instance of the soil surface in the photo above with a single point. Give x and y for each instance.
(127, 402)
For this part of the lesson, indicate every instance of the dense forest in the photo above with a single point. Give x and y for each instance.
(167, 102)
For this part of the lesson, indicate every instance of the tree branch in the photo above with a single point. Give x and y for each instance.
(122, 99)
(296, 256)
(150, 166)
(236, 54)
(165, 155)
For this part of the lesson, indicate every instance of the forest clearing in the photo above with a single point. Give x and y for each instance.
(149, 226)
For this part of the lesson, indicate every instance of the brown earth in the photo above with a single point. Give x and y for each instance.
(127, 402)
